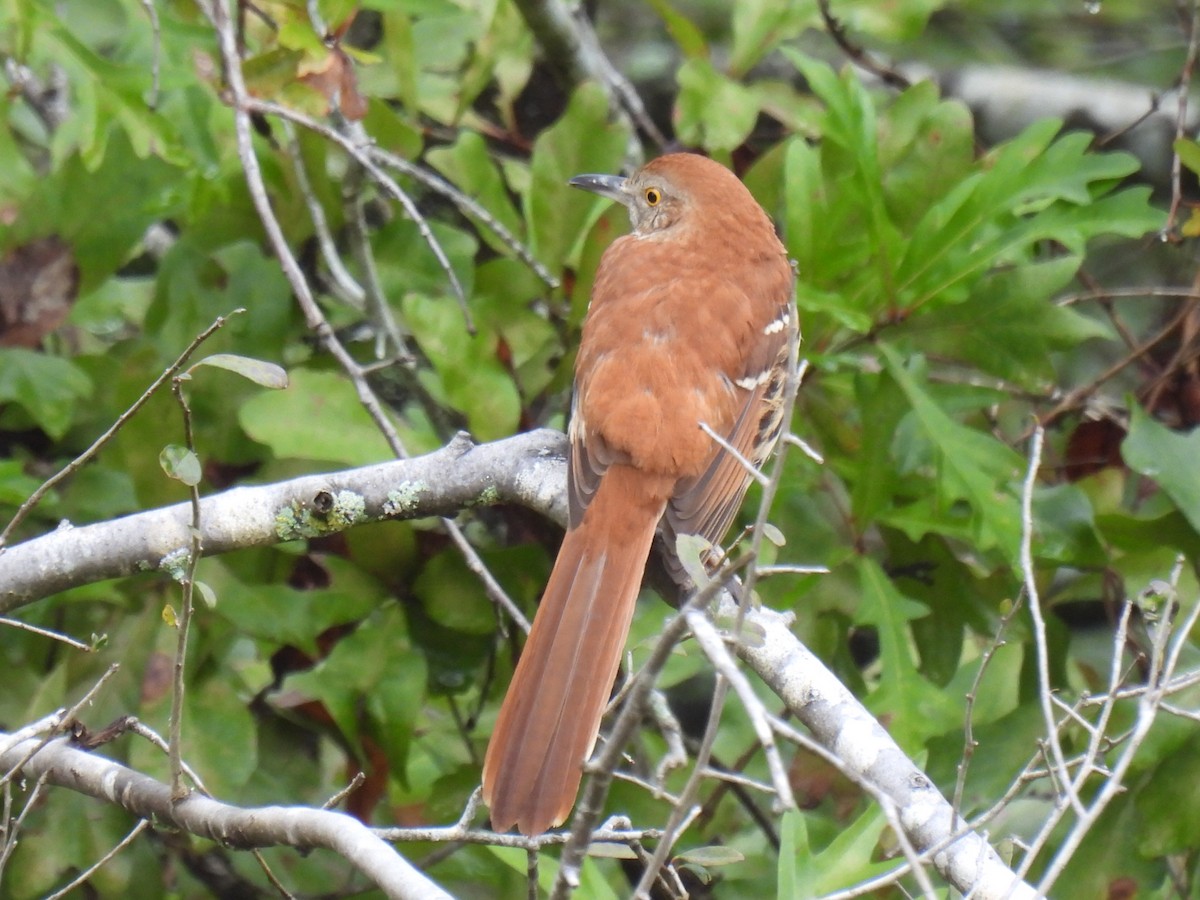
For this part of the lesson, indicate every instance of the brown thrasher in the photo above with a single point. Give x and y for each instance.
(689, 323)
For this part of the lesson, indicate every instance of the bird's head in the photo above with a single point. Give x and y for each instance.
(671, 192)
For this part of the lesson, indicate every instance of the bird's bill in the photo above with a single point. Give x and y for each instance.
(610, 186)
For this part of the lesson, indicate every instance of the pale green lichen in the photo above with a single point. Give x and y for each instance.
(348, 509)
(489, 496)
(289, 522)
(404, 498)
(175, 564)
(297, 520)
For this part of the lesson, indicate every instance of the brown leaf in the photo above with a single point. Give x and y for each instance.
(156, 679)
(1093, 445)
(39, 282)
(335, 80)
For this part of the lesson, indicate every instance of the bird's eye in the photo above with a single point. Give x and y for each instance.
(653, 196)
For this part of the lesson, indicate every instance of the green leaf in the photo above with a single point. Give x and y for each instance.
(453, 596)
(395, 704)
(759, 26)
(15, 485)
(259, 371)
(849, 859)
(1066, 528)
(794, 855)
(469, 165)
(687, 37)
(318, 417)
(470, 374)
(221, 735)
(712, 110)
(407, 264)
(690, 550)
(714, 855)
(971, 465)
(1022, 326)
(882, 406)
(1167, 457)
(279, 615)
(109, 96)
(48, 388)
(181, 464)
(1188, 152)
(582, 141)
(1030, 189)
(917, 707)
(610, 850)
(850, 147)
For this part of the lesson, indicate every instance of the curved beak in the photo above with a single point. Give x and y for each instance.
(610, 186)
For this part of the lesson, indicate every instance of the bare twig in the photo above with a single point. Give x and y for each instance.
(1039, 623)
(1185, 79)
(859, 56)
(155, 60)
(142, 730)
(184, 620)
(969, 742)
(91, 870)
(31, 746)
(78, 462)
(45, 632)
(349, 290)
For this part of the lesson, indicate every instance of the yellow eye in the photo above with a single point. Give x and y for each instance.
(653, 196)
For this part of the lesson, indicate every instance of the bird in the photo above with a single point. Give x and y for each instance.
(689, 324)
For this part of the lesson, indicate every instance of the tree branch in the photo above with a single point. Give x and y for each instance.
(268, 826)
(842, 725)
(526, 469)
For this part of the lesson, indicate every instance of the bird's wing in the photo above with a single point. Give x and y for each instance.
(587, 461)
(706, 505)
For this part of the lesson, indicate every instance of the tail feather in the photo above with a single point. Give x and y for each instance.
(551, 715)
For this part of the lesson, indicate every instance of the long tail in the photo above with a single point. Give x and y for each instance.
(551, 715)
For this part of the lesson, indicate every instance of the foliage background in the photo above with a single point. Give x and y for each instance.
(956, 288)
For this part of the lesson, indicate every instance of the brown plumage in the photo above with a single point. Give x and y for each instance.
(689, 322)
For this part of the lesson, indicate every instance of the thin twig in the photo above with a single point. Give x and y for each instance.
(45, 632)
(242, 106)
(142, 730)
(1035, 612)
(91, 870)
(78, 462)
(1072, 399)
(1185, 80)
(733, 451)
(183, 622)
(591, 802)
(349, 290)
(969, 742)
(357, 135)
(377, 305)
(1160, 661)
(859, 56)
(155, 61)
(62, 719)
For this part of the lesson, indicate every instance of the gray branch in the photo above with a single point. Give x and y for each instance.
(527, 469)
(844, 727)
(231, 826)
